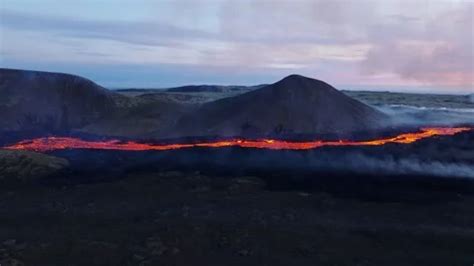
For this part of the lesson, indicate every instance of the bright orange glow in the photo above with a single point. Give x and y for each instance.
(60, 143)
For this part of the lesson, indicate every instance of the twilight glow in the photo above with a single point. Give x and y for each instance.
(146, 43)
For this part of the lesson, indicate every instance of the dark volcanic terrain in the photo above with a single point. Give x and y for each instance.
(245, 207)
(393, 204)
(189, 218)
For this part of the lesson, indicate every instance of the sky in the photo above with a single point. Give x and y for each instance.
(414, 45)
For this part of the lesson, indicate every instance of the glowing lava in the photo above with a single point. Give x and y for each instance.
(60, 143)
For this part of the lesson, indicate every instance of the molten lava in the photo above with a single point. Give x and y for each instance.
(60, 143)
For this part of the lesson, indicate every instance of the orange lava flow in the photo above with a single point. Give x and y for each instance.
(61, 143)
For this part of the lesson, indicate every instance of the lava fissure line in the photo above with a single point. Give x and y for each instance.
(60, 143)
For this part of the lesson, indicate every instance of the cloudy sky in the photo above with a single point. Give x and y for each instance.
(424, 45)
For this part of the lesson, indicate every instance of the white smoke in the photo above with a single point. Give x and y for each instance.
(421, 115)
(410, 166)
(358, 162)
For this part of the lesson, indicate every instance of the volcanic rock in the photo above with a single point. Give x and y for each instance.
(293, 105)
(26, 166)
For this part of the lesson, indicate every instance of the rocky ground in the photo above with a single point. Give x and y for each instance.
(240, 206)
(188, 218)
(24, 166)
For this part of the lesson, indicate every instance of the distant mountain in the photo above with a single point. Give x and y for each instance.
(293, 105)
(213, 88)
(198, 88)
(44, 101)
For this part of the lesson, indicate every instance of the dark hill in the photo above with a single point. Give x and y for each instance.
(293, 105)
(43, 101)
